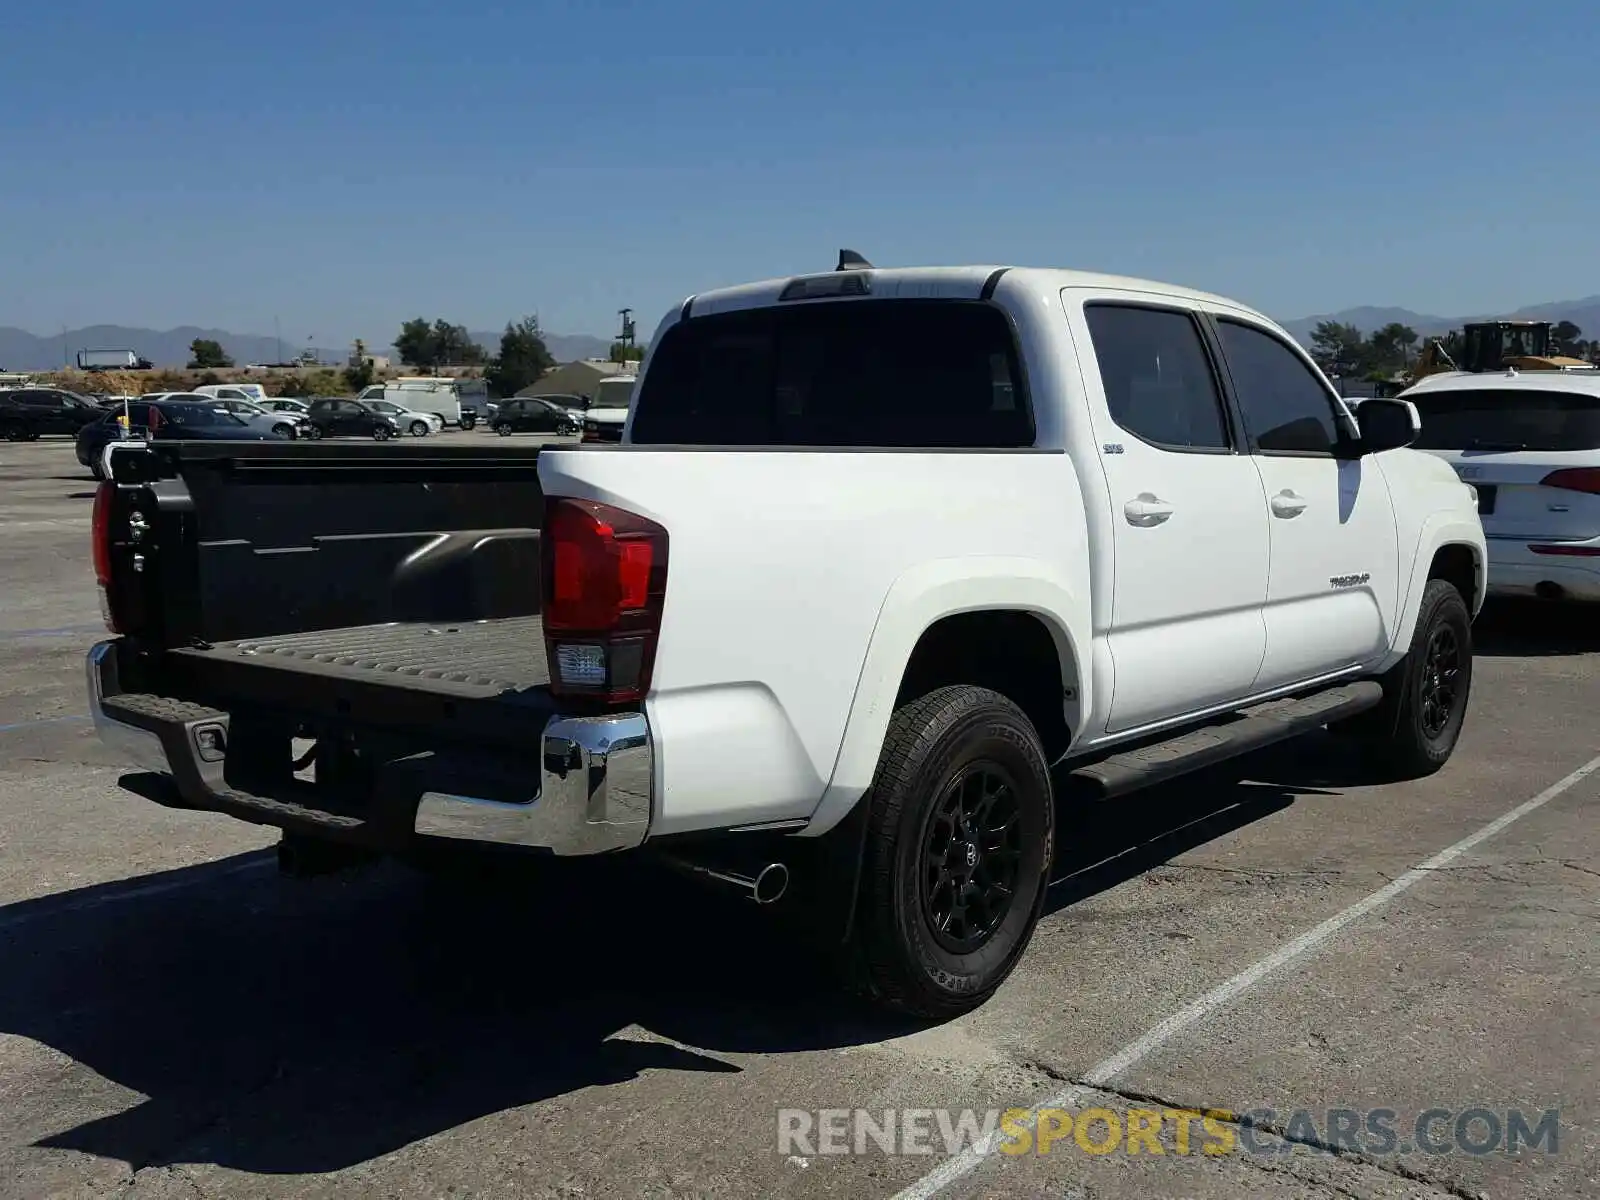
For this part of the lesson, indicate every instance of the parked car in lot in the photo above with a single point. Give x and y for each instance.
(534, 414)
(1529, 443)
(284, 424)
(852, 618)
(252, 392)
(27, 414)
(349, 418)
(163, 419)
(417, 424)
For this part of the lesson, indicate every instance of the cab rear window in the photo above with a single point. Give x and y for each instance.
(892, 373)
(1508, 419)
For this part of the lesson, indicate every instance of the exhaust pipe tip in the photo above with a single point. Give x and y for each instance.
(766, 886)
(770, 884)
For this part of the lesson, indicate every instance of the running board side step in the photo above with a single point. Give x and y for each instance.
(1132, 770)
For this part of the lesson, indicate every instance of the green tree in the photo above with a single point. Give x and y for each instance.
(523, 358)
(207, 352)
(1389, 348)
(454, 346)
(415, 344)
(439, 343)
(622, 353)
(1339, 349)
(1566, 338)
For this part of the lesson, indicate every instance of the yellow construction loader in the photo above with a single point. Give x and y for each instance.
(1497, 346)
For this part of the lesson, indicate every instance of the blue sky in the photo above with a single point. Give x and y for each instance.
(343, 165)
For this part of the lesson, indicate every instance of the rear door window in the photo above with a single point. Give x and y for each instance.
(1508, 419)
(1158, 379)
(892, 373)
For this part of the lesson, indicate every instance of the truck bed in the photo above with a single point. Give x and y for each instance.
(477, 660)
(384, 586)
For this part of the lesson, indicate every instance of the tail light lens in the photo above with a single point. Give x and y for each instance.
(100, 523)
(105, 497)
(1567, 551)
(605, 583)
(1575, 479)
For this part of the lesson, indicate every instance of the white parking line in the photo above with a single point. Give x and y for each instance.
(1192, 1014)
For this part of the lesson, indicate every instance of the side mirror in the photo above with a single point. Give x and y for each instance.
(1387, 424)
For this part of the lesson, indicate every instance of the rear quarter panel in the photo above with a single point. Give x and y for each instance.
(798, 582)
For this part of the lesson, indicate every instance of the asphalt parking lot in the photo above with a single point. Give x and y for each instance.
(175, 1020)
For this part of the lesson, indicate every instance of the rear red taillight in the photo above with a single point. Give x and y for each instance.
(104, 496)
(605, 582)
(1575, 479)
(100, 534)
(1559, 548)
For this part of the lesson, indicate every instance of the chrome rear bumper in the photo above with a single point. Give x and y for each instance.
(593, 794)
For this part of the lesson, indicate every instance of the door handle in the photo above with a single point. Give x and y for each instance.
(1287, 504)
(1146, 510)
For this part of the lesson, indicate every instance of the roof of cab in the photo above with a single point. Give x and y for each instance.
(956, 283)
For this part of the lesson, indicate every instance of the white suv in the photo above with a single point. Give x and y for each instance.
(1529, 442)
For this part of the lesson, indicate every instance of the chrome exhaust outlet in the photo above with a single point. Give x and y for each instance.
(766, 886)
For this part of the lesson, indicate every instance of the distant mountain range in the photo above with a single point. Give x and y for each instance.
(24, 351)
(1585, 314)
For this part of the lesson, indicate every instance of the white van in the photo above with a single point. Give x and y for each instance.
(454, 401)
(607, 413)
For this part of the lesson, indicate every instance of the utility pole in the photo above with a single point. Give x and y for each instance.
(277, 336)
(625, 338)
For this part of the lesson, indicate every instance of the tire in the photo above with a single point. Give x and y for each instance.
(503, 430)
(283, 431)
(16, 435)
(1414, 729)
(313, 432)
(381, 433)
(468, 420)
(947, 749)
(418, 429)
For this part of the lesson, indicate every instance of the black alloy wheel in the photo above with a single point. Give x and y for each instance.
(971, 855)
(1440, 679)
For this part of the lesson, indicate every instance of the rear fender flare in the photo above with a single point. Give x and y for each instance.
(917, 599)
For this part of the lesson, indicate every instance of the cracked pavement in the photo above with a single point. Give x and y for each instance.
(175, 1021)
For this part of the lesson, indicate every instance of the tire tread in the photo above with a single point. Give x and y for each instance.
(914, 734)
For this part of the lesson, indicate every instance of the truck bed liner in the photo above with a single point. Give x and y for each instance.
(472, 659)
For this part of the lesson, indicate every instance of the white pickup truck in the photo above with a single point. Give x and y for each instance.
(892, 571)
